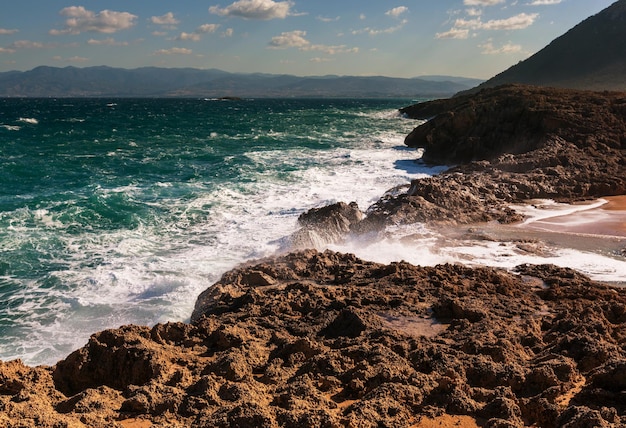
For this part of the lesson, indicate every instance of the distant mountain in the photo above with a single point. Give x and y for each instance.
(188, 82)
(455, 79)
(592, 55)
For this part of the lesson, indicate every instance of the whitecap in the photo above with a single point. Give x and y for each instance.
(29, 120)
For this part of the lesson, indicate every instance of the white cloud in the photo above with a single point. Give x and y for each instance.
(471, 24)
(26, 44)
(6, 31)
(462, 26)
(255, 9)
(290, 39)
(489, 49)
(78, 59)
(397, 11)
(331, 50)
(323, 19)
(167, 19)
(174, 51)
(482, 2)
(194, 37)
(454, 33)
(6, 50)
(109, 41)
(375, 31)
(197, 34)
(474, 11)
(296, 39)
(227, 33)
(80, 20)
(517, 22)
(207, 28)
(320, 60)
(544, 2)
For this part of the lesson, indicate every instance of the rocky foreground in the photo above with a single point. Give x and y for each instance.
(327, 340)
(312, 339)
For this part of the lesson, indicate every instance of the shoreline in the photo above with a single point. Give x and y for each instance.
(607, 219)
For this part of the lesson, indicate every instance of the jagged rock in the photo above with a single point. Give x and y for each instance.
(325, 225)
(327, 339)
(513, 143)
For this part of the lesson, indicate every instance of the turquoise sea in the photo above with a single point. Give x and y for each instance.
(116, 211)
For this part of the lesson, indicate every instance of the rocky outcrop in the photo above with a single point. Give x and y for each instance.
(512, 144)
(517, 119)
(325, 225)
(325, 339)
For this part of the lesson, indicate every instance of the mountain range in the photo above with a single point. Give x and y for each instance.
(592, 55)
(105, 81)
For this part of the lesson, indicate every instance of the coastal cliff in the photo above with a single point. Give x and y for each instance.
(326, 339)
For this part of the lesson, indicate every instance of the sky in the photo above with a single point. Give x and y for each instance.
(398, 38)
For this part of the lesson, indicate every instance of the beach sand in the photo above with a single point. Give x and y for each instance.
(608, 219)
(594, 228)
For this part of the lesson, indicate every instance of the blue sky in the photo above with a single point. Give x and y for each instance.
(400, 38)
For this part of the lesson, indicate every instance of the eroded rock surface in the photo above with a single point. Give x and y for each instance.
(326, 339)
(511, 144)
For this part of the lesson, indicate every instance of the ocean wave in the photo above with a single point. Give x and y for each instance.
(29, 120)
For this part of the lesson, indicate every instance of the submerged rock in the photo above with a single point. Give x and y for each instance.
(327, 339)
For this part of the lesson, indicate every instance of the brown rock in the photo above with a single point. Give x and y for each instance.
(335, 341)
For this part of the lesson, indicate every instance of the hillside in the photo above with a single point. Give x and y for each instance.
(592, 55)
(188, 82)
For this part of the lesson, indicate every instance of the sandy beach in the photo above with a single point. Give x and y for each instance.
(605, 217)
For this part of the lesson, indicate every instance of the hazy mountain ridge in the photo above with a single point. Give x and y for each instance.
(592, 55)
(102, 81)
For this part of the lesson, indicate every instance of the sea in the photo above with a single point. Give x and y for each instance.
(122, 211)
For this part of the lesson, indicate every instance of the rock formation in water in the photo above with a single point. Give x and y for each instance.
(511, 144)
(327, 340)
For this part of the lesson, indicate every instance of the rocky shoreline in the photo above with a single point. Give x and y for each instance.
(329, 340)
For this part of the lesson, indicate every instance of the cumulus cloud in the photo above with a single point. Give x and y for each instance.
(227, 33)
(320, 60)
(377, 31)
(482, 2)
(194, 37)
(81, 20)
(26, 44)
(197, 33)
(324, 19)
(6, 50)
(255, 9)
(517, 22)
(6, 31)
(489, 49)
(167, 19)
(290, 39)
(462, 27)
(397, 11)
(78, 59)
(296, 39)
(207, 28)
(544, 2)
(174, 51)
(454, 33)
(109, 41)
